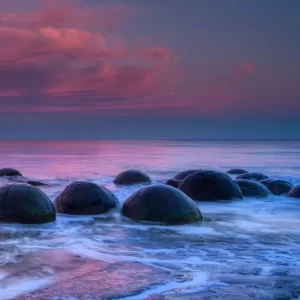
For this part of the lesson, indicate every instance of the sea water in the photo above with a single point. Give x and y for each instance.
(248, 249)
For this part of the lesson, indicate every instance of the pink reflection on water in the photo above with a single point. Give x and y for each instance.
(80, 158)
(90, 159)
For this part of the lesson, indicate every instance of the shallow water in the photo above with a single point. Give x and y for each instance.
(248, 249)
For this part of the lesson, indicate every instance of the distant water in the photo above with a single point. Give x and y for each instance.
(243, 250)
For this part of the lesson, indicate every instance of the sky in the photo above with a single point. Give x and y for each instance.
(139, 69)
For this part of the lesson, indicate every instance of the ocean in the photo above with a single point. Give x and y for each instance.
(248, 249)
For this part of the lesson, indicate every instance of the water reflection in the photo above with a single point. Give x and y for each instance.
(71, 159)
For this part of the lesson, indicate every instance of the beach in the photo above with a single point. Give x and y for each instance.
(247, 249)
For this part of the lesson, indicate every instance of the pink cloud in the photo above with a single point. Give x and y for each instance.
(56, 58)
(157, 52)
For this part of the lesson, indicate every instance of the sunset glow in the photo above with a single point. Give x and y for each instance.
(136, 58)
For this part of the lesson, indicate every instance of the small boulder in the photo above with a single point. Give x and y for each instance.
(23, 203)
(131, 177)
(253, 176)
(161, 203)
(236, 171)
(33, 182)
(173, 182)
(85, 198)
(277, 186)
(295, 192)
(184, 174)
(252, 188)
(210, 186)
(9, 172)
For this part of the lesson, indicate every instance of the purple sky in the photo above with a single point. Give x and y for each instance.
(149, 69)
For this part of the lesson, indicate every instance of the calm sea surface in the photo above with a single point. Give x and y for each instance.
(248, 249)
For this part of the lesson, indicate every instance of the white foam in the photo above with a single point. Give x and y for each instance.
(2, 275)
(22, 287)
(199, 280)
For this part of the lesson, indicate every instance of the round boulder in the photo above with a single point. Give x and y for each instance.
(26, 204)
(161, 203)
(173, 182)
(9, 172)
(295, 192)
(237, 171)
(253, 176)
(131, 177)
(210, 186)
(277, 186)
(85, 198)
(184, 174)
(252, 188)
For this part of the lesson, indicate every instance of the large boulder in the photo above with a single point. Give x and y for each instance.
(23, 203)
(237, 171)
(131, 177)
(253, 176)
(85, 198)
(277, 186)
(161, 203)
(252, 188)
(9, 172)
(173, 182)
(210, 186)
(295, 192)
(184, 174)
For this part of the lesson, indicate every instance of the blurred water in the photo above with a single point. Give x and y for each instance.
(243, 250)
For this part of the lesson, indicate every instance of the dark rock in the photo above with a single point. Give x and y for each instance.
(210, 186)
(295, 192)
(32, 182)
(253, 176)
(252, 188)
(173, 182)
(9, 172)
(237, 171)
(85, 198)
(36, 183)
(131, 177)
(161, 203)
(184, 174)
(23, 203)
(276, 186)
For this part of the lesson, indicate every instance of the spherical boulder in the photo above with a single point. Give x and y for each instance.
(252, 188)
(237, 172)
(161, 203)
(277, 186)
(9, 172)
(26, 204)
(131, 177)
(253, 176)
(184, 174)
(173, 182)
(295, 192)
(210, 186)
(85, 198)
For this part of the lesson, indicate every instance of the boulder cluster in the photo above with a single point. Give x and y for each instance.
(175, 202)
